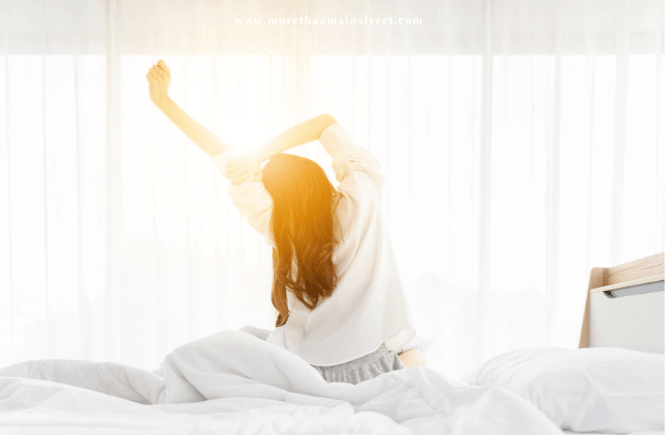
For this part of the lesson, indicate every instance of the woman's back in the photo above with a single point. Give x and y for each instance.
(368, 306)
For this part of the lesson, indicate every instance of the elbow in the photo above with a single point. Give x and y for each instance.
(328, 119)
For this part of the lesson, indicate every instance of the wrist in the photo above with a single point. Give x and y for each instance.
(164, 102)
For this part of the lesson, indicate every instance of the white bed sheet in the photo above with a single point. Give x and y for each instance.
(233, 382)
(607, 433)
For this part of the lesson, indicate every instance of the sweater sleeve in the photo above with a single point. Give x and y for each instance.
(250, 198)
(356, 169)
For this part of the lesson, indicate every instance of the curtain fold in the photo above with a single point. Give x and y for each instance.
(522, 143)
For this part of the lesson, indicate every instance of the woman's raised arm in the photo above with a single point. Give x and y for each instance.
(246, 165)
(305, 132)
(159, 79)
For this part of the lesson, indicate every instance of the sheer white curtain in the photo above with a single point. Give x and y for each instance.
(523, 143)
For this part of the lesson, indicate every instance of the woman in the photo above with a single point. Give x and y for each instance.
(339, 298)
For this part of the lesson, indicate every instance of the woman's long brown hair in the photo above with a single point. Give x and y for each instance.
(302, 227)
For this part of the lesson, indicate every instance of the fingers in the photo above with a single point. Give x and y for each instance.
(157, 73)
(233, 173)
(238, 172)
(245, 160)
(234, 165)
(163, 66)
(238, 163)
(239, 168)
(237, 181)
(154, 78)
(241, 179)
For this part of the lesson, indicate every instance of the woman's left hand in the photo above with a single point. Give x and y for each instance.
(412, 357)
(243, 167)
(159, 79)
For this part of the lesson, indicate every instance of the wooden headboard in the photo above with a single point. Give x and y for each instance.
(624, 306)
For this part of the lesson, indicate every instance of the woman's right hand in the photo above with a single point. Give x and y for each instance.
(159, 79)
(412, 357)
(243, 167)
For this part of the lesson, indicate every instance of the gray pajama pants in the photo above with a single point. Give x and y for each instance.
(364, 368)
(353, 372)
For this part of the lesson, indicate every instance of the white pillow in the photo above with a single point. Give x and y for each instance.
(590, 389)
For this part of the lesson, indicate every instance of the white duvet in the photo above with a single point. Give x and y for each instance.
(233, 382)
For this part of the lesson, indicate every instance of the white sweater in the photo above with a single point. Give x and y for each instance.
(368, 306)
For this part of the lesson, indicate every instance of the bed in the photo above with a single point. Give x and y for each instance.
(613, 383)
(236, 382)
(624, 306)
(624, 309)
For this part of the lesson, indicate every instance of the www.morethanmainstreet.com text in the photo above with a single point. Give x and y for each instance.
(331, 21)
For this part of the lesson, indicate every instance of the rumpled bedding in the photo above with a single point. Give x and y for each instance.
(232, 382)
